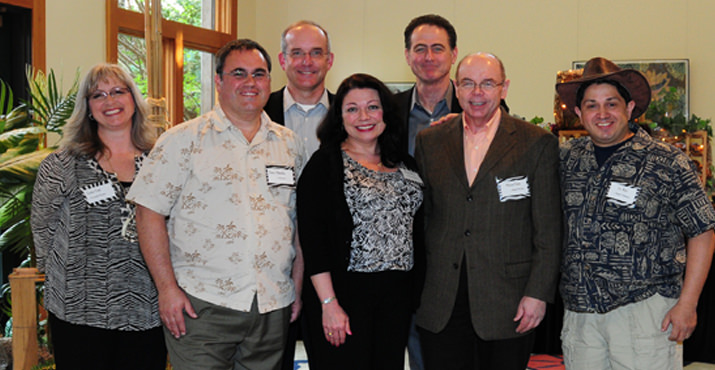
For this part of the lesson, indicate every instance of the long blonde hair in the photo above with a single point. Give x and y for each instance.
(80, 133)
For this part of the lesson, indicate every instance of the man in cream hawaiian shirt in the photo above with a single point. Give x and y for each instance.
(216, 222)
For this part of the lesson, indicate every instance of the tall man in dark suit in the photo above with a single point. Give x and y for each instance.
(493, 227)
(301, 105)
(306, 58)
(430, 51)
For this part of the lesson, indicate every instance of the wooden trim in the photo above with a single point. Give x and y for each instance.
(112, 31)
(39, 38)
(170, 82)
(21, 3)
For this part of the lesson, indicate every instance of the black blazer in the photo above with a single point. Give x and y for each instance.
(403, 100)
(274, 106)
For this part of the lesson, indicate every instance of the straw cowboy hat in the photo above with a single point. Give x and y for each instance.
(603, 69)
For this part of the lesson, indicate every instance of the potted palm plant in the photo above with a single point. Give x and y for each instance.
(24, 131)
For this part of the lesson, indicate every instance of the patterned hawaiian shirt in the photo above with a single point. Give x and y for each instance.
(628, 222)
(231, 208)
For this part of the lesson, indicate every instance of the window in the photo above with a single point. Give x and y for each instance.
(192, 31)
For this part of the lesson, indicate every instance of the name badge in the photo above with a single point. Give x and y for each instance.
(411, 176)
(99, 193)
(513, 188)
(622, 194)
(280, 176)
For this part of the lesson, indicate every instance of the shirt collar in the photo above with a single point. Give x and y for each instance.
(448, 95)
(221, 123)
(493, 122)
(288, 100)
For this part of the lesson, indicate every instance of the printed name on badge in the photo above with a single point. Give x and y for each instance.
(280, 175)
(513, 188)
(411, 176)
(622, 194)
(99, 192)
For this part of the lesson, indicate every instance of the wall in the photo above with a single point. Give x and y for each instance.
(534, 38)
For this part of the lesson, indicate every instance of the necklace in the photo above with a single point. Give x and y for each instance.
(111, 170)
(364, 159)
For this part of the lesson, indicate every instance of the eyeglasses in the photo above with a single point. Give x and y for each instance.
(486, 85)
(100, 95)
(300, 54)
(242, 74)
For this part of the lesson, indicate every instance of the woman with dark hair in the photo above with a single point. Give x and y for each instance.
(102, 303)
(358, 202)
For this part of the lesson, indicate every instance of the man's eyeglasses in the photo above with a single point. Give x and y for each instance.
(300, 54)
(242, 75)
(100, 95)
(486, 85)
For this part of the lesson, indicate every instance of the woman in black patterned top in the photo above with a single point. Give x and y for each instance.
(358, 202)
(98, 292)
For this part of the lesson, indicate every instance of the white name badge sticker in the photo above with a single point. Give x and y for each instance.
(99, 192)
(622, 194)
(280, 176)
(411, 176)
(513, 188)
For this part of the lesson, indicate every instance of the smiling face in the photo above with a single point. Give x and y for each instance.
(306, 59)
(430, 56)
(245, 84)
(480, 87)
(112, 105)
(604, 113)
(362, 116)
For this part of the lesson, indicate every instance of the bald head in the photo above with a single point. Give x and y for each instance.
(482, 58)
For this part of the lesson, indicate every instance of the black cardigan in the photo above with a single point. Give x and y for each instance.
(325, 223)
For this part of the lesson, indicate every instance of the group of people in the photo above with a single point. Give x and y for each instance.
(431, 219)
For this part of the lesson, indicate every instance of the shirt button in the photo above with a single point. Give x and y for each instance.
(469, 198)
(467, 233)
(456, 266)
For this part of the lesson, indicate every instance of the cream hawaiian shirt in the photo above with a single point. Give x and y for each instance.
(231, 208)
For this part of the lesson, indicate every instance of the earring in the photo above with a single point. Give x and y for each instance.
(91, 117)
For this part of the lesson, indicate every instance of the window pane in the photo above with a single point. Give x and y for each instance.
(135, 5)
(199, 13)
(132, 56)
(198, 83)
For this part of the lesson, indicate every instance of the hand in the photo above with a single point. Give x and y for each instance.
(295, 309)
(336, 324)
(683, 320)
(172, 305)
(444, 119)
(529, 314)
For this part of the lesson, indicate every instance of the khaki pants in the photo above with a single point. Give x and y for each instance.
(627, 338)
(222, 338)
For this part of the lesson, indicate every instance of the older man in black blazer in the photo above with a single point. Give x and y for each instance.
(493, 228)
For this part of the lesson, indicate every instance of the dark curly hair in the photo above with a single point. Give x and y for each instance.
(332, 132)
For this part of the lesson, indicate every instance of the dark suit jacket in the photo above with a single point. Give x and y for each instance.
(274, 106)
(511, 249)
(403, 100)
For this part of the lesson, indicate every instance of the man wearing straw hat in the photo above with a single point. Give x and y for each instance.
(637, 219)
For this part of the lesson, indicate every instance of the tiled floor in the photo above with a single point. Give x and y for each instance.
(302, 364)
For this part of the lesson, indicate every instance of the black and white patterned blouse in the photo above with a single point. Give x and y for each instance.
(85, 240)
(383, 206)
